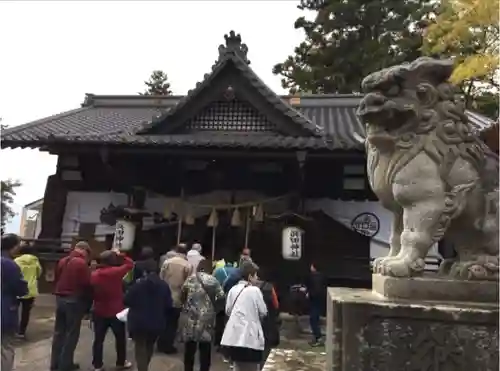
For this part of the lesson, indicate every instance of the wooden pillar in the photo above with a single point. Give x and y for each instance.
(296, 203)
(137, 201)
(54, 206)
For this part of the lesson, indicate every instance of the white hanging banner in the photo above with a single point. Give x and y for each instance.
(124, 235)
(291, 243)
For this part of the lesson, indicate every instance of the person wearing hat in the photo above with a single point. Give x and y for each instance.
(73, 300)
(107, 284)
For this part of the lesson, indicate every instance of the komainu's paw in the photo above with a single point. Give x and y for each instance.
(401, 267)
(378, 263)
(484, 268)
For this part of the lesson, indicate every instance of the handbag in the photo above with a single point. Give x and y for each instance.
(218, 304)
(123, 315)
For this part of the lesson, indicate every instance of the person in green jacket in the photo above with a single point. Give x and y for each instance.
(31, 270)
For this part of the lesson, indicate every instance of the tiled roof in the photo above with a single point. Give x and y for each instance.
(282, 106)
(116, 119)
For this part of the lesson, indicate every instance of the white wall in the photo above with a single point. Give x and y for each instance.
(38, 227)
(85, 207)
(345, 211)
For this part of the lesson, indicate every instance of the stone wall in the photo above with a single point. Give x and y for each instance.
(368, 332)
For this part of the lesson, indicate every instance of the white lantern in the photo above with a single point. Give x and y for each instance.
(291, 243)
(124, 235)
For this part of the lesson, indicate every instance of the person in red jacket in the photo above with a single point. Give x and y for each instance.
(73, 299)
(107, 285)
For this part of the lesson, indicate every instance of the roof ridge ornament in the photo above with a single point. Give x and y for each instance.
(233, 46)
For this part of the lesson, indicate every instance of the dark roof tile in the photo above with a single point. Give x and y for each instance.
(296, 116)
(116, 120)
(120, 124)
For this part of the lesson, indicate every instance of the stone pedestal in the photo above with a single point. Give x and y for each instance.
(369, 332)
(435, 288)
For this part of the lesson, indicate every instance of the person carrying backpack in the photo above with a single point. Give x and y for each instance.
(202, 298)
(222, 274)
(271, 323)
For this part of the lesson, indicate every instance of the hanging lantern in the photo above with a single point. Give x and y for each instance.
(236, 219)
(213, 219)
(292, 243)
(258, 213)
(124, 235)
(188, 218)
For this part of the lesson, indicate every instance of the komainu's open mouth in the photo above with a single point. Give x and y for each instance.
(376, 109)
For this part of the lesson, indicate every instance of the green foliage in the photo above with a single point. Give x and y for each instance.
(468, 31)
(8, 191)
(158, 84)
(348, 39)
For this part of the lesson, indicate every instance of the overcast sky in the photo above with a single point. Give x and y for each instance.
(55, 52)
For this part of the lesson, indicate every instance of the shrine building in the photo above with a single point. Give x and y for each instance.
(229, 165)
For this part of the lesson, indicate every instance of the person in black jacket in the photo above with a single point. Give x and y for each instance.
(147, 258)
(270, 323)
(148, 299)
(316, 293)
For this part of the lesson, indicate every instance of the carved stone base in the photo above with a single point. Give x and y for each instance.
(435, 288)
(367, 332)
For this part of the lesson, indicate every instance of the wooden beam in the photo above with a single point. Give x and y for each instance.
(54, 204)
(204, 152)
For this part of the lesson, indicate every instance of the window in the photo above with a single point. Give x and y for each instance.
(354, 184)
(354, 169)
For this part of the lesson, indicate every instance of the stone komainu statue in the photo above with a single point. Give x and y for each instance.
(428, 167)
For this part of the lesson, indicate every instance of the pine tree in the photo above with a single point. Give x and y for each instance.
(349, 39)
(158, 84)
(8, 191)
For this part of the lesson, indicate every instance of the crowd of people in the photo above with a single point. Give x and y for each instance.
(180, 296)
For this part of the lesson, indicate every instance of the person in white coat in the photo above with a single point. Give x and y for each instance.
(243, 336)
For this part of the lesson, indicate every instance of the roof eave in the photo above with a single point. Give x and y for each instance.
(35, 205)
(299, 119)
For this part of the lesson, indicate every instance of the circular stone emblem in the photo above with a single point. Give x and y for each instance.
(367, 224)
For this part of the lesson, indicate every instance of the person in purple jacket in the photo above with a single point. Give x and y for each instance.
(13, 286)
